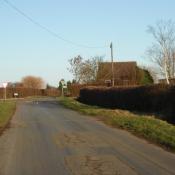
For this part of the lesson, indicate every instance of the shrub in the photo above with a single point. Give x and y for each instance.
(26, 92)
(153, 99)
(144, 77)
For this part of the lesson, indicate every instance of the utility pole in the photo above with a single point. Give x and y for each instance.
(112, 63)
(173, 64)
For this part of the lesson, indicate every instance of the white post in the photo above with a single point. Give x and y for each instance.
(5, 86)
(5, 96)
(62, 87)
(62, 93)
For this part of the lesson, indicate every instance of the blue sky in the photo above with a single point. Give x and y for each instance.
(26, 49)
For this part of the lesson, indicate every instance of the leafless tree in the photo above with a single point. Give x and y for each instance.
(75, 67)
(162, 50)
(84, 71)
(33, 82)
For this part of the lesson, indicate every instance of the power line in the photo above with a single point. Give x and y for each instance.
(46, 28)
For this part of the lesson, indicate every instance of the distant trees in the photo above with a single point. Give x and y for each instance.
(48, 86)
(15, 85)
(84, 71)
(162, 51)
(33, 82)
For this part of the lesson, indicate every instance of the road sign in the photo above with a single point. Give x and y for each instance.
(62, 82)
(15, 94)
(4, 84)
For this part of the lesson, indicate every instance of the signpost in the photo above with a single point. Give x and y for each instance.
(108, 83)
(63, 86)
(5, 86)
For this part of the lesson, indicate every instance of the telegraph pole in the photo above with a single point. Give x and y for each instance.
(112, 63)
(173, 64)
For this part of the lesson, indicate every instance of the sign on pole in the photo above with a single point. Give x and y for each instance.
(63, 86)
(4, 84)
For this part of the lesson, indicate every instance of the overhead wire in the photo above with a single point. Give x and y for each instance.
(26, 16)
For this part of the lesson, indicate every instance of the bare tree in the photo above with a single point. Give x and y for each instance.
(162, 50)
(75, 67)
(33, 82)
(84, 71)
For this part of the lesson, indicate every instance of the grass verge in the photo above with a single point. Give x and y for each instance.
(148, 127)
(7, 109)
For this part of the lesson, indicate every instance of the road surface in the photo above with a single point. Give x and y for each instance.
(47, 139)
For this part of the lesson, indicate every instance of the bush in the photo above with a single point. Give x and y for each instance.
(144, 77)
(153, 99)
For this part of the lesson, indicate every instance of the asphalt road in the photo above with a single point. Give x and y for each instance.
(47, 139)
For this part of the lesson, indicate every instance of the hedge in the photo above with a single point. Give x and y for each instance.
(26, 92)
(159, 99)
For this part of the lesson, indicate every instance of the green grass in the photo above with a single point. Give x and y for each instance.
(6, 111)
(148, 127)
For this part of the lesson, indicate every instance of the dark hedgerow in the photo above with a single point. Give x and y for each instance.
(153, 99)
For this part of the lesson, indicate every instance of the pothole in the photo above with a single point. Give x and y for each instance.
(75, 139)
(97, 165)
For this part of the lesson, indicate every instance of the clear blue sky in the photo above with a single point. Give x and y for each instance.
(26, 49)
